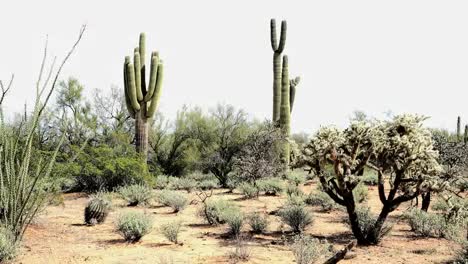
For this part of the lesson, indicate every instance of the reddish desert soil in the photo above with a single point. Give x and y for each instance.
(59, 236)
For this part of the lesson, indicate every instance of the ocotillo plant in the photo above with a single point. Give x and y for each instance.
(284, 89)
(142, 100)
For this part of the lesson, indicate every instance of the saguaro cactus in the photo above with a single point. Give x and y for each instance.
(459, 128)
(284, 89)
(465, 138)
(142, 100)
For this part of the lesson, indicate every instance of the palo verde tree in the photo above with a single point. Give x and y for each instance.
(400, 150)
(284, 89)
(141, 99)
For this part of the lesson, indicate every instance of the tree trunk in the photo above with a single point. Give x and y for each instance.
(354, 221)
(426, 201)
(141, 132)
(340, 254)
(374, 236)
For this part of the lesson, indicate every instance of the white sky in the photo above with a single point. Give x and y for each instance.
(375, 56)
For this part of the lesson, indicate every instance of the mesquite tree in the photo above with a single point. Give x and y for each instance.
(400, 150)
(141, 99)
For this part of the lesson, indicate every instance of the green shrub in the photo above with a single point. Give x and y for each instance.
(248, 190)
(235, 221)
(296, 200)
(161, 182)
(172, 199)
(241, 252)
(215, 211)
(308, 250)
(136, 194)
(321, 199)
(134, 225)
(171, 231)
(186, 184)
(258, 223)
(360, 193)
(271, 186)
(296, 216)
(208, 184)
(370, 179)
(294, 190)
(8, 246)
(97, 209)
(296, 178)
(462, 255)
(426, 224)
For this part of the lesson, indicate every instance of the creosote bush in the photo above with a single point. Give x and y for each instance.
(292, 190)
(215, 211)
(133, 226)
(248, 190)
(321, 199)
(171, 231)
(308, 250)
(296, 178)
(272, 186)
(296, 216)
(136, 194)
(235, 221)
(173, 199)
(426, 224)
(241, 252)
(257, 223)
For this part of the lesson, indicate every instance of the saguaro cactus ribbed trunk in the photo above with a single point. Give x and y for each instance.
(284, 89)
(459, 128)
(142, 100)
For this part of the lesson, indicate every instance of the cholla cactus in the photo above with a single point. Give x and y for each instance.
(400, 150)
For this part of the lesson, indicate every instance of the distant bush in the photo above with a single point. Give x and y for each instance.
(208, 184)
(8, 246)
(270, 186)
(97, 209)
(161, 182)
(248, 190)
(215, 211)
(308, 250)
(462, 255)
(241, 251)
(235, 221)
(136, 194)
(133, 226)
(371, 179)
(426, 224)
(321, 199)
(360, 193)
(171, 231)
(258, 223)
(186, 184)
(296, 216)
(173, 199)
(293, 190)
(296, 200)
(296, 178)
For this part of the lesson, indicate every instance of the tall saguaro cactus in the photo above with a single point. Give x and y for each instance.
(141, 99)
(284, 89)
(459, 128)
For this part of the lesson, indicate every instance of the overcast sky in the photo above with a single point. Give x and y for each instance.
(374, 56)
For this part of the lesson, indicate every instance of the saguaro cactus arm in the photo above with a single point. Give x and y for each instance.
(131, 88)
(277, 50)
(273, 36)
(292, 91)
(157, 92)
(153, 77)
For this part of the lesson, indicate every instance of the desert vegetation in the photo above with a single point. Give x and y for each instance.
(220, 186)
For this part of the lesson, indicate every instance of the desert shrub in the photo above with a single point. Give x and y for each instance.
(296, 200)
(296, 178)
(241, 252)
(294, 190)
(186, 184)
(462, 255)
(271, 186)
(235, 221)
(8, 246)
(367, 222)
(172, 199)
(321, 199)
(360, 193)
(171, 231)
(136, 194)
(208, 184)
(426, 224)
(161, 182)
(134, 225)
(308, 250)
(257, 223)
(248, 190)
(370, 179)
(296, 216)
(215, 211)
(97, 209)
(440, 205)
